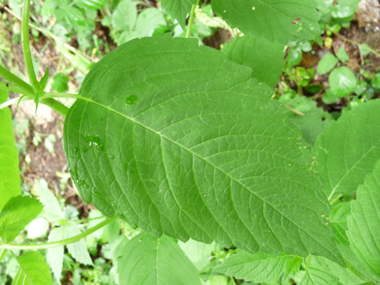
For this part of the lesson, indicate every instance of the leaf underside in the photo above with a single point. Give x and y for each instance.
(177, 140)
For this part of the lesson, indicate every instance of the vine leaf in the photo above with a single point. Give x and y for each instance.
(33, 270)
(152, 260)
(178, 9)
(259, 267)
(363, 223)
(344, 158)
(177, 140)
(16, 215)
(248, 50)
(78, 250)
(10, 174)
(54, 255)
(279, 21)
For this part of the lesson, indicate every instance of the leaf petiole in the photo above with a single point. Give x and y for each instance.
(58, 243)
(191, 20)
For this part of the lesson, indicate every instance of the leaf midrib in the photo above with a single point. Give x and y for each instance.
(205, 161)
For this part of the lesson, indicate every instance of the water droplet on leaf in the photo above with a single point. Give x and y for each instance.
(130, 100)
(75, 150)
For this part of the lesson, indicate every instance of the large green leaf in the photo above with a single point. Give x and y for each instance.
(148, 260)
(256, 53)
(16, 215)
(271, 19)
(9, 172)
(349, 148)
(174, 138)
(259, 267)
(364, 222)
(33, 270)
(178, 9)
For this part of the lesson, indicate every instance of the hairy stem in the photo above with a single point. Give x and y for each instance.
(191, 20)
(9, 76)
(357, 44)
(26, 46)
(58, 243)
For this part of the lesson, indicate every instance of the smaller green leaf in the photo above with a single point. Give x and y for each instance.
(363, 223)
(44, 79)
(338, 219)
(93, 4)
(33, 270)
(342, 54)
(375, 82)
(60, 83)
(315, 276)
(329, 97)
(260, 267)
(148, 260)
(342, 81)
(365, 49)
(53, 211)
(292, 267)
(54, 255)
(16, 215)
(294, 56)
(258, 52)
(343, 13)
(361, 87)
(3, 252)
(178, 9)
(148, 20)
(327, 63)
(77, 250)
(198, 252)
(125, 16)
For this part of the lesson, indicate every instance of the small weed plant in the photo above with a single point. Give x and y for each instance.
(186, 145)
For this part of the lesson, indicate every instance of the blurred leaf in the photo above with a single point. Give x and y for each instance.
(364, 49)
(342, 81)
(178, 9)
(363, 223)
(343, 13)
(16, 215)
(256, 53)
(148, 260)
(54, 255)
(52, 208)
(60, 83)
(294, 56)
(199, 253)
(361, 87)
(148, 20)
(77, 250)
(93, 4)
(33, 270)
(94, 214)
(70, 17)
(9, 163)
(375, 82)
(37, 228)
(342, 54)
(327, 63)
(125, 15)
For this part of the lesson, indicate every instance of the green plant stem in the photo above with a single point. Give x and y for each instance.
(26, 47)
(191, 20)
(356, 43)
(55, 105)
(59, 95)
(9, 76)
(61, 242)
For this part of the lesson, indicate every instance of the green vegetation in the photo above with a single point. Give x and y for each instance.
(203, 166)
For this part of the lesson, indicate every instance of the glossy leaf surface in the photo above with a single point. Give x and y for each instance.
(177, 140)
(146, 260)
